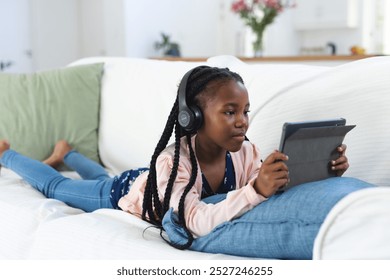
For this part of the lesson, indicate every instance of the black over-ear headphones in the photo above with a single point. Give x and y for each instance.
(190, 117)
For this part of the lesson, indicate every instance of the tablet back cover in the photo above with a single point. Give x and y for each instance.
(310, 151)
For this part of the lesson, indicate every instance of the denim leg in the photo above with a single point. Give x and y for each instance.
(87, 195)
(87, 168)
(283, 227)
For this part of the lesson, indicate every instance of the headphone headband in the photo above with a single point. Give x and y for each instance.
(190, 117)
(184, 117)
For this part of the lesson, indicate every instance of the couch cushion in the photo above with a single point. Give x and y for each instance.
(356, 228)
(38, 109)
(357, 91)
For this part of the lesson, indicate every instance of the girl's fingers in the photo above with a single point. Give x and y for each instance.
(275, 156)
(282, 174)
(282, 182)
(342, 166)
(341, 149)
(339, 160)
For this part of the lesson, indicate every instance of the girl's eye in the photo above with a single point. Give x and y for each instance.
(229, 113)
(247, 112)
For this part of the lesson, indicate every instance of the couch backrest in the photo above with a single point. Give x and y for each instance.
(137, 96)
(358, 91)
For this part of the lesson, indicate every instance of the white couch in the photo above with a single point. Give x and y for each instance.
(136, 97)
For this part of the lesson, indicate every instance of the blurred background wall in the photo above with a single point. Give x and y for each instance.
(43, 34)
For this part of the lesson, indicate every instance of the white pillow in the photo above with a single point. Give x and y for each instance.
(357, 91)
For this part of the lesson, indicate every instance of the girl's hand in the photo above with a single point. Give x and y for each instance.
(341, 164)
(273, 174)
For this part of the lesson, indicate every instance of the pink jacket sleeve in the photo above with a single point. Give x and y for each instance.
(200, 217)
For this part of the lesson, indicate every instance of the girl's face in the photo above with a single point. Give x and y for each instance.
(225, 117)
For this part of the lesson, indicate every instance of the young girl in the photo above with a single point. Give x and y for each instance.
(209, 190)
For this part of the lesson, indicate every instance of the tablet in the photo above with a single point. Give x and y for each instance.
(311, 146)
(290, 127)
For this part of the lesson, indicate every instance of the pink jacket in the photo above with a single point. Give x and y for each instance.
(200, 217)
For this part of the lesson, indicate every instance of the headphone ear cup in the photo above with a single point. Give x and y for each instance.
(191, 119)
(198, 118)
(186, 118)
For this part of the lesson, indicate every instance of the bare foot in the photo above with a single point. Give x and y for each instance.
(4, 145)
(57, 157)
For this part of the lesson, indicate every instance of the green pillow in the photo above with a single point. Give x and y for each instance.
(37, 110)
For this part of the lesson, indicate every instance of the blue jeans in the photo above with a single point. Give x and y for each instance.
(283, 227)
(89, 194)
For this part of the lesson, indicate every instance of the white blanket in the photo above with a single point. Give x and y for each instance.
(35, 227)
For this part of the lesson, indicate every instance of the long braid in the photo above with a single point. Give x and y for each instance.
(151, 193)
(194, 173)
(172, 177)
(152, 206)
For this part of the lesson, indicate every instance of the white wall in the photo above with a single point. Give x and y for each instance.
(188, 22)
(386, 31)
(91, 28)
(200, 31)
(102, 27)
(15, 35)
(65, 30)
(216, 30)
(114, 27)
(281, 38)
(55, 29)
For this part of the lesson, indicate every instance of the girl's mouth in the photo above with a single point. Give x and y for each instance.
(240, 136)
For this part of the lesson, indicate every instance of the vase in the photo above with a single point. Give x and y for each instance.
(258, 46)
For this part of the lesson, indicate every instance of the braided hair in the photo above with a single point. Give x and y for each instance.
(153, 208)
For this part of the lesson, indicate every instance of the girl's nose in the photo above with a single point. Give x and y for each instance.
(241, 120)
